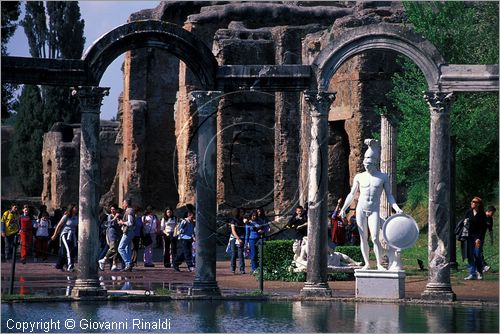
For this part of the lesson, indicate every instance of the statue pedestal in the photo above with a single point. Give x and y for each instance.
(380, 284)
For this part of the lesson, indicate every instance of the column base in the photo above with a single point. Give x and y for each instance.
(88, 288)
(439, 292)
(316, 290)
(204, 289)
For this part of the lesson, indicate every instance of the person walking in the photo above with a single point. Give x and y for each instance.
(476, 218)
(136, 240)
(127, 224)
(186, 238)
(10, 230)
(168, 225)
(253, 234)
(237, 240)
(26, 233)
(113, 236)
(68, 227)
(147, 235)
(42, 226)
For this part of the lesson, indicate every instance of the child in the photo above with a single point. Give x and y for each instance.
(148, 233)
(42, 226)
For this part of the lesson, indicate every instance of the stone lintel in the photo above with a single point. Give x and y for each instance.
(380, 284)
(469, 78)
(36, 71)
(264, 77)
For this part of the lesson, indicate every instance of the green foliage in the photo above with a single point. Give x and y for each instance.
(354, 252)
(10, 15)
(52, 32)
(278, 257)
(464, 33)
(25, 155)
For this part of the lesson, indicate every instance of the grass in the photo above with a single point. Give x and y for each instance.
(420, 251)
(162, 292)
(254, 293)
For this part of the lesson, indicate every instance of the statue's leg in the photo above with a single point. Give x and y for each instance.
(363, 235)
(373, 224)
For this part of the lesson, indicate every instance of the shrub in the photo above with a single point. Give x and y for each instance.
(278, 257)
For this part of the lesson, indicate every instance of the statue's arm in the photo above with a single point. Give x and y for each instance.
(390, 197)
(350, 196)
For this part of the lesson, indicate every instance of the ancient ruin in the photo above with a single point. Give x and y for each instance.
(290, 105)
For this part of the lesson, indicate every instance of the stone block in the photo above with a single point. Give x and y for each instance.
(380, 284)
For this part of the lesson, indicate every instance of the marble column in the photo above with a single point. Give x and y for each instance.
(87, 282)
(317, 230)
(439, 285)
(387, 160)
(206, 193)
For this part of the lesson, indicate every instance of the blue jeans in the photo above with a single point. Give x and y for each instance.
(253, 253)
(237, 252)
(125, 248)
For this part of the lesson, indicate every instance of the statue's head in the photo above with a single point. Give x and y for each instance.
(372, 155)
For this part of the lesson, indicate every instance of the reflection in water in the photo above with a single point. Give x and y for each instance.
(253, 316)
(372, 318)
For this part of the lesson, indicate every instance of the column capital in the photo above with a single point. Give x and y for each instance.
(90, 97)
(206, 101)
(439, 102)
(319, 102)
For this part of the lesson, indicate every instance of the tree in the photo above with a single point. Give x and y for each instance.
(54, 30)
(10, 15)
(464, 33)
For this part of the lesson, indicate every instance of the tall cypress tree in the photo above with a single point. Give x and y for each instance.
(10, 14)
(54, 30)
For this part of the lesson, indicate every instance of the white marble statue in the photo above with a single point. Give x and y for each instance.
(370, 184)
(335, 259)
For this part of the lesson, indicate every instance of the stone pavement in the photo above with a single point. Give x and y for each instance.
(43, 279)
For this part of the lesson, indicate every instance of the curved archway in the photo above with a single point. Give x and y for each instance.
(151, 33)
(378, 37)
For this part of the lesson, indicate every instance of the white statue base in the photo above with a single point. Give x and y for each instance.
(380, 284)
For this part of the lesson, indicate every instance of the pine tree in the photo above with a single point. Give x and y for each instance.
(54, 30)
(28, 141)
(10, 14)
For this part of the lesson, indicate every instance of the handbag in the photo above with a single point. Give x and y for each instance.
(147, 240)
(176, 230)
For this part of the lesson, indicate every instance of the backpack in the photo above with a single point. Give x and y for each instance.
(462, 230)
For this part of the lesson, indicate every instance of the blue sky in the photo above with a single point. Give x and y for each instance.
(100, 17)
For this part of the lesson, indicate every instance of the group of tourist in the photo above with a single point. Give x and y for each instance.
(124, 230)
(33, 232)
(247, 231)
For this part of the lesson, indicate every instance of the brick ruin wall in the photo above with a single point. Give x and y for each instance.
(263, 138)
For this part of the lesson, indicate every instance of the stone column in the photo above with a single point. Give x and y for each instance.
(206, 193)
(317, 229)
(439, 286)
(87, 282)
(387, 160)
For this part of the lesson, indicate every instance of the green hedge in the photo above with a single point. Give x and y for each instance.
(278, 257)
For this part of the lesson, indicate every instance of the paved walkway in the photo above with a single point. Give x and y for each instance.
(44, 279)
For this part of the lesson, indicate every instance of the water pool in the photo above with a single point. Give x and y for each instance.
(246, 316)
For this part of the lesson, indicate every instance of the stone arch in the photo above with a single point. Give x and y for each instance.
(379, 37)
(151, 33)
